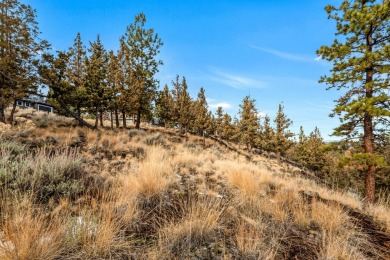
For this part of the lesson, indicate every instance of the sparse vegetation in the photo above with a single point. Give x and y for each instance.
(174, 201)
(203, 187)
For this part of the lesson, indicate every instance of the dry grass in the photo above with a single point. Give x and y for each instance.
(199, 225)
(95, 234)
(159, 199)
(151, 176)
(28, 233)
(381, 213)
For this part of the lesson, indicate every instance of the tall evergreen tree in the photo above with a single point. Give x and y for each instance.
(165, 106)
(126, 99)
(96, 79)
(299, 151)
(249, 122)
(268, 136)
(77, 74)
(143, 45)
(226, 129)
(361, 66)
(314, 145)
(113, 82)
(20, 50)
(218, 120)
(202, 121)
(282, 134)
(182, 103)
(54, 73)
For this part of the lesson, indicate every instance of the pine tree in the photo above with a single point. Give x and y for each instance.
(143, 46)
(282, 134)
(200, 114)
(165, 106)
(211, 126)
(77, 74)
(361, 66)
(249, 122)
(299, 151)
(126, 98)
(183, 103)
(20, 50)
(226, 129)
(54, 73)
(315, 159)
(113, 82)
(218, 120)
(96, 79)
(268, 136)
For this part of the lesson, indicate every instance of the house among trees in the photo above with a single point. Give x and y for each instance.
(35, 101)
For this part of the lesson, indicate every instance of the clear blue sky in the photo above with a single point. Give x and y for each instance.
(231, 48)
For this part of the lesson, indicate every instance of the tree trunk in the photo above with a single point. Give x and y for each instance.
(78, 109)
(124, 119)
(368, 137)
(137, 125)
(112, 119)
(11, 117)
(116, 119)
(2, 112)
(81, 121)
(204, 140)
(96, 118)
(368, 140)
(101, 118)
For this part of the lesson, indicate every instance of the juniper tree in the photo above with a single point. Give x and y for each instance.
(165, 106)
(113, 82)
(218, 120)
(77, 74)
(125, 99)
(53, 71)
(249, 122)
(361, 65)
(75, 96)
(314, 144)
(200, 113)
(211, 126)
(268, 136)
(282, 134)
(20, 50)
(226, 128)
(183, 103)
(299, 150)
(143, 46)
(96, 79)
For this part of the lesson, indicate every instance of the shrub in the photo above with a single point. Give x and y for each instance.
(155, 139)
(136, 132)
(46, 176)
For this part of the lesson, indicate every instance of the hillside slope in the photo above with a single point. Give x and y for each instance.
(72, 193)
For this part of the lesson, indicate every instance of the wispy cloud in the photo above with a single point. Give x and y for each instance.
(327, 107)
(235, 80)
(284, 55)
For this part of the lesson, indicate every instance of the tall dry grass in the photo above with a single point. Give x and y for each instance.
(27, 233)
(167, 200)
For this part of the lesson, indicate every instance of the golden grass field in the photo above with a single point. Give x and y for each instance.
(72, 193)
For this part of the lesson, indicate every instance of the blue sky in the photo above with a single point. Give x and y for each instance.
(265, 49)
